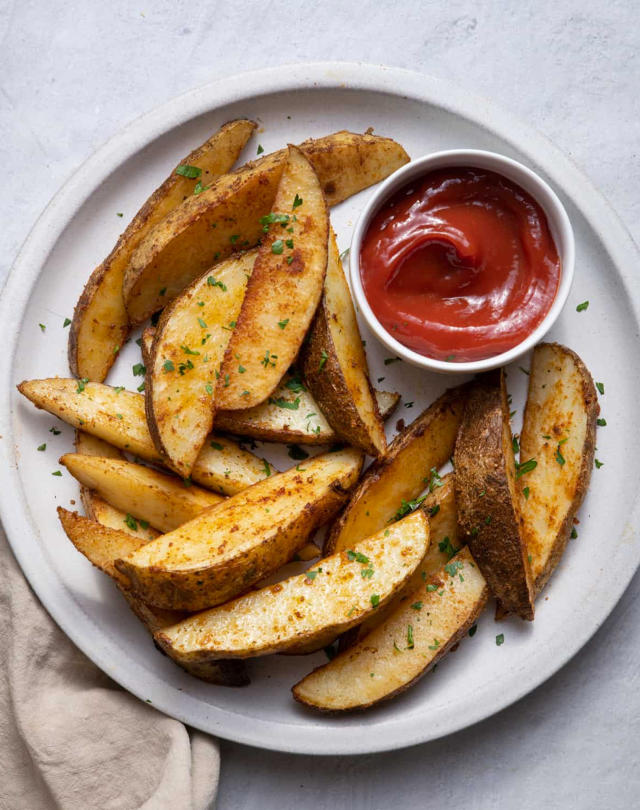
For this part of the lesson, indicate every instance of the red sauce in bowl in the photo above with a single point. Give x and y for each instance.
(460, 264)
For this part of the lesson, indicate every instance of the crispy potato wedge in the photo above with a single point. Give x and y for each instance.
(296, 611)
(559, 423)
(282, 293)
(440, 508)
(487, 498)
(97, 543)
(404, 647)
(187, 352)
(161, 500)
(100, 322)
(225, 550)
(401, 473)
(94, 506)
(227, 215)
(290, 415)
(118, 417)
(335, 366)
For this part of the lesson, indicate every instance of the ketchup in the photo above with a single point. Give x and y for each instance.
(460, 264)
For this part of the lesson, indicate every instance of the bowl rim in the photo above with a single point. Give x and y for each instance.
(534, 184)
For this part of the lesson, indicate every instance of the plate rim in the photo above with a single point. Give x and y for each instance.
(355, 76)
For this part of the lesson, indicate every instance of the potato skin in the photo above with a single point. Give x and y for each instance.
(400, 472)
(488, 514)
(532, 440)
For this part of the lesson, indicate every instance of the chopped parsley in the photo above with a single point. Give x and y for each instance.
(139, 370)
(269, 359)
(574, 533)
(168, 365)
(296, 202)
(406, 507)
(375, 599)
(259, 151)
(417, 606)
(525, 467)
(66, 323)
(211, 281)
(57, 472)
(433, 480)
(435, 644)
(184, 170)
(217, 446)
(499, 639)
(295, 385)
(473, 630)
(598, 464)
(581, 307)
(43, 328)
(389, 360)
(266, 468)
(277, 247)
(410, 643)
(601, 422)
(525, 492)
(82, 384)
(323, 359)
(357, 556)
(280, 402)
(600, 387)
(55, 431)
(446, 546)
(131, 522)
(42, 447)
(559, 457)
(283, 324)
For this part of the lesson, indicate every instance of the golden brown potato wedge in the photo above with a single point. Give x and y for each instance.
(341, 591)
(98, 509)
(558, 433)
(227, 216)
(290, 415)
(225, 550)
(440, 508)
(98, 544)
(118, 417)
(402, 472)
(185, 359)
(283, 291)
(100, 322)
(405, 646)
(153, 497)
(335, 366)
(487, 500)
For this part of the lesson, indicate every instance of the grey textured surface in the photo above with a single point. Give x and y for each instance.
(73, 73)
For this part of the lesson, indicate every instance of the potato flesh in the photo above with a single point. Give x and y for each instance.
(161, 500)
(282, 293)
(405, 646)
(561, 405)
(443, 526)
(225, 550)
(300, 608)
(187, 352)
(335, 364)
(227, 216)
(118, 417)
(100, 322)
(402, 472)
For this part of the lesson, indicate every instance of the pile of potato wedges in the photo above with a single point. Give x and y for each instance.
(253, 334)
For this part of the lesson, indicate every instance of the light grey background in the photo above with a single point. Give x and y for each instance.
(73, 73)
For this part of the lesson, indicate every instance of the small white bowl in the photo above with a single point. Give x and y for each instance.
(559, 224)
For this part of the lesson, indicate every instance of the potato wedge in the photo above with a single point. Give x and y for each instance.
(100, 322)
(486, 495)
(97, 543)
(282, 293)
(333, 597)
(440, 508)
(290, 415)
(94, 506)
(227, 216)
(161, 500)
(225, 550)
(335, 367)
(118, 417)
(401, 473)
(187, 352)
(404, 647)
(559, 432)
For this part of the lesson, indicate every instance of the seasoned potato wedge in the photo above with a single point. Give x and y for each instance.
(98, 543)
(333, 597)
(227, 215)
(487, 500)
(283, 291)
(100, 322)
(558, 432)
(335, 366)
(188, 347)
(225, 550)
(290, 415)
(440, 508)
(118, 417)
(94, 506)
(161, 500)
(404, 647)
(402, 472)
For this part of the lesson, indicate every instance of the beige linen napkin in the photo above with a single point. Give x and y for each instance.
(72, 738)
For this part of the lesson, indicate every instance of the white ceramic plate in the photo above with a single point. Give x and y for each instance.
(78, 229)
